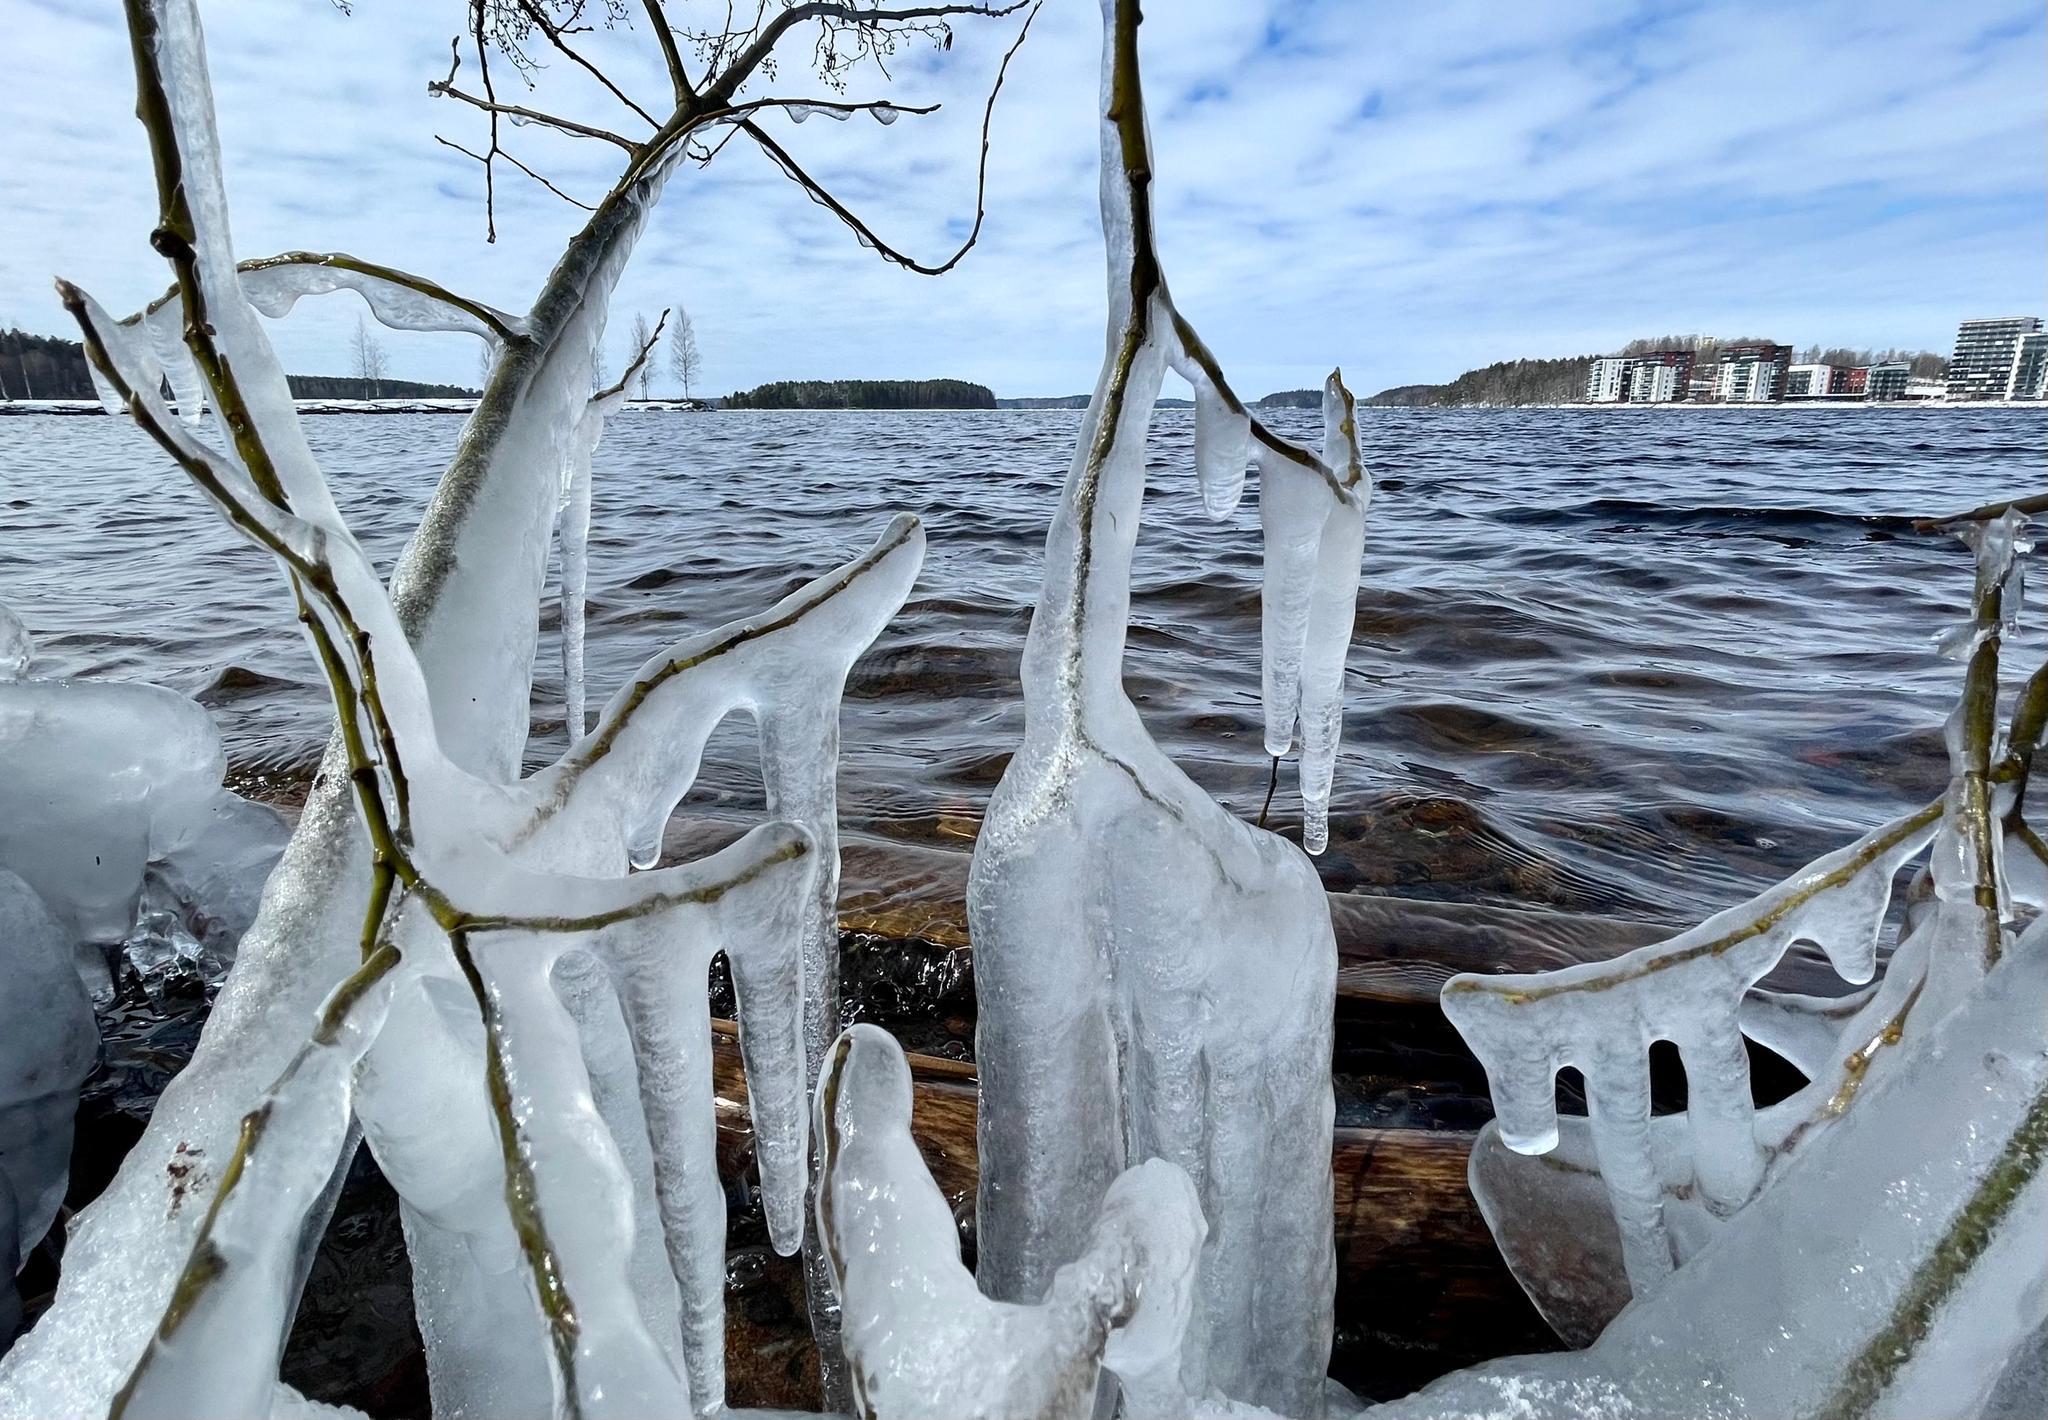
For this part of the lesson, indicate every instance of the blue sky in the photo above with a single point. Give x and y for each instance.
(1408, 190)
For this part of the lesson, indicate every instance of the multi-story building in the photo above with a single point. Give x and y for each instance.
(1810, 381)
(1981, 367)
(2029, 376)
(1888, 381)
(1851, 380)
(1752, 374)
(1659, 377)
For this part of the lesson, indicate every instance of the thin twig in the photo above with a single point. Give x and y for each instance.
(553, 32)
(824, 198)
(470, 153)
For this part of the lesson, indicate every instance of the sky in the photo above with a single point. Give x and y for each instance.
(1405, 190)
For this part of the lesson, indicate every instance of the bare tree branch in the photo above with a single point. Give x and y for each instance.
(666, 37)
(554, 34)
(824, 198)
(770, 34)
(447, 90)
(633, 365)
(471, 153)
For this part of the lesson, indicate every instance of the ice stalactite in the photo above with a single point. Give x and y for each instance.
(922, 1342)
(1156, 977)
(574, 532)
(1682, 1204)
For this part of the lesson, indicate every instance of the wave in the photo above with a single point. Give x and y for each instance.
(1726, 519)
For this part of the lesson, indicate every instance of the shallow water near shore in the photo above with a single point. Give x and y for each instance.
(1633, 666)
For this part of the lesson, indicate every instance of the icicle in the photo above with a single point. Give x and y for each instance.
(1223, 438)
(1293, 507)
(886, 114)
(799, 113)
(275, 284)
(574, 533)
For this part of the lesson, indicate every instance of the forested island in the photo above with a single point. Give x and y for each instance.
(864, 394)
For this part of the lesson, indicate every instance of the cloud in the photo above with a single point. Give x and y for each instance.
(1407, 190)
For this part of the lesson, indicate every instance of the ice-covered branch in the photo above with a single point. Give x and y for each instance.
(2029, 506)
(1116, 908)
(1602, 1017)
(1672, 1183)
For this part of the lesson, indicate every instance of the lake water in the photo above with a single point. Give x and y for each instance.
(1636, 662)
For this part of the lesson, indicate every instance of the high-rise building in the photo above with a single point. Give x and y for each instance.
(2029, 376)
(1889, 381)
(1981, 367)
(1752, 374)
(1851, 380)
(1658, 377)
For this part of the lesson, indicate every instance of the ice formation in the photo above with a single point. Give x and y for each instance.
(48, 1041)
(515, 1019)
(1156, 978)
(1620, 1205)
(922, 1342)
(103, 784)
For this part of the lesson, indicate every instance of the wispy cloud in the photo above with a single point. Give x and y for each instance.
(1406, 189)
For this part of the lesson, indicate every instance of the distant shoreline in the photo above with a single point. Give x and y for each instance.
(68, 407)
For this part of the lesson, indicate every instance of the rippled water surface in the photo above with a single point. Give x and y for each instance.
(1635, 662)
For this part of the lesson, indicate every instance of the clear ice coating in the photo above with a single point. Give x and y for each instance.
(48, 1042)
(1156, 978)
(108, 786)
(922, 1342)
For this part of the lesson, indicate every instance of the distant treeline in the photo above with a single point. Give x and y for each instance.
(1508, 382)
(42, 367)
(864, 394)
(50, 367)
(1926, 364)
(349, 387)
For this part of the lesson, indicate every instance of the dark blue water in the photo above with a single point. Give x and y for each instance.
(1637, 661)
